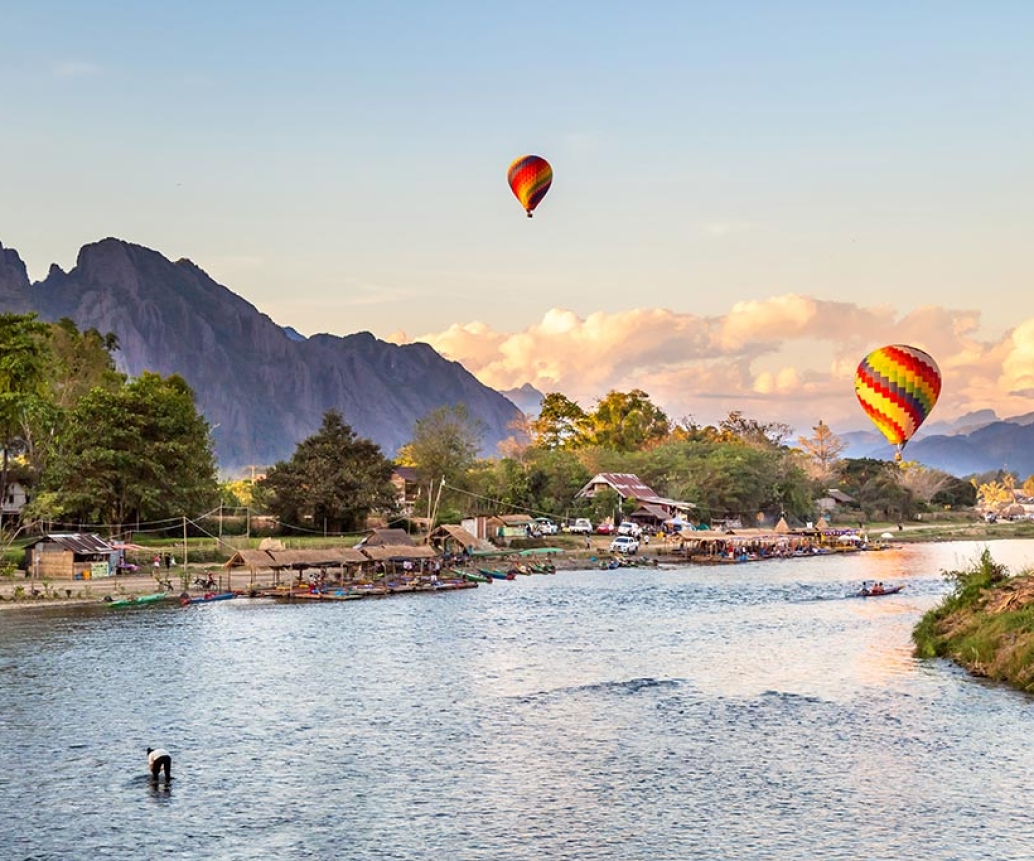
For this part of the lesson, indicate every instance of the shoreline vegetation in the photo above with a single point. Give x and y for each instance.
(986, 624)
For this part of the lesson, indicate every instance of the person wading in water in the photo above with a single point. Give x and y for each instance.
(158, 760)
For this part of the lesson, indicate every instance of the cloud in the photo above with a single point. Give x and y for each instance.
(789, 358)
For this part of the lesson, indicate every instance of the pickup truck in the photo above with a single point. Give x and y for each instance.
(581, 524)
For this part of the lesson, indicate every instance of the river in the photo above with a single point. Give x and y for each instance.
(753, 711)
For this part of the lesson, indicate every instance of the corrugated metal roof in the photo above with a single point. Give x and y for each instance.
(85, 543)
(628, 485)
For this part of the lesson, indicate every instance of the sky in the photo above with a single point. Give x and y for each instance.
(747, 196)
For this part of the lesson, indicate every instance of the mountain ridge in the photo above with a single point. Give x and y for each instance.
(263, 388)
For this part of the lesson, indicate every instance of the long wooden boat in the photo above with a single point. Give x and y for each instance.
(137, 600)
(496, 574)
(865, 592)
(471, 576)
(187, 600)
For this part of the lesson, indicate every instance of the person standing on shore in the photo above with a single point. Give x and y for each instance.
(158, 760)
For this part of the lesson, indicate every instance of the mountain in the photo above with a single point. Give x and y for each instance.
(969, 446)
(263, 388)
(527, 398)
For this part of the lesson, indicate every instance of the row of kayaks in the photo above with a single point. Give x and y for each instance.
(185, 599)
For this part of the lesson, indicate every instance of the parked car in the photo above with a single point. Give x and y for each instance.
(606, 529)
(581, 524)
(630, 527)
(624, 544)
(545, 526)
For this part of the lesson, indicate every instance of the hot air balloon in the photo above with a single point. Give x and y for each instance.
(530, 177)
(897, 387)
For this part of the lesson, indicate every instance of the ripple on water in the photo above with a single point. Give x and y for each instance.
(752, 712)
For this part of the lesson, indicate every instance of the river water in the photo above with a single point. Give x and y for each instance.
(753, 711)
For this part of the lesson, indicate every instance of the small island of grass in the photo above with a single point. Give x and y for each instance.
(986, 625)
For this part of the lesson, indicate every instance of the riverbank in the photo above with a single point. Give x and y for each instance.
(986, 625)
(17, 592)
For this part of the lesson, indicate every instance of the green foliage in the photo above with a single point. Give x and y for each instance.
(957, 493)
(968, 583)
(334, 480)
(969, 586)
(23, 380)
(445, 445)
(878, 487)
(627, 421)
(141, 452)
(604, 505)
(561, 423)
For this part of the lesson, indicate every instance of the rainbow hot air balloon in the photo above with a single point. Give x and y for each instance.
(897, 387)
(530, 177)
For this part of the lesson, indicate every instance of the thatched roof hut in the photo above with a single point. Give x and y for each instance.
(325, 557)
(256, 560)
(383, 537)
(450, 537)
(392, 552)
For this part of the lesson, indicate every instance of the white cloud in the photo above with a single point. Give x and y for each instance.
(761, 357)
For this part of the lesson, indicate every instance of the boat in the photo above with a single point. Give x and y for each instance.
(137, 600)
(496, 574)
(472, 577)
(186, 600)
(866, 592)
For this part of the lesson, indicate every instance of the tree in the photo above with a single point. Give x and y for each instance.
(445, 444)
(923, 482)
(560, 424)
(140, 453)
(995, 495)
(334, 480)
(627, 421)
(79, 362)
(753, 432)
(823, 451)
(76, 363)
(23, 357)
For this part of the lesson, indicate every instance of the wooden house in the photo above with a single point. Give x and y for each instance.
(652, 509)
(71, 556)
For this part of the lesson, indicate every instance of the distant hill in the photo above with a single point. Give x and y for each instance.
(527, 398)
(974, 443)
(263, 388)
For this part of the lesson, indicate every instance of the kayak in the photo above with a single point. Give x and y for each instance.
(186, 600)
(887, 590)
(495, 574)
(137, 601)
(472, 577)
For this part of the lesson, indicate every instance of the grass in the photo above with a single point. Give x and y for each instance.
(964, 627)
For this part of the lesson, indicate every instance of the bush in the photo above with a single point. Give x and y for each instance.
(968, 586)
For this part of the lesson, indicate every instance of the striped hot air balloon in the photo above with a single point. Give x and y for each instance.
(897, 387)
(530, 177)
